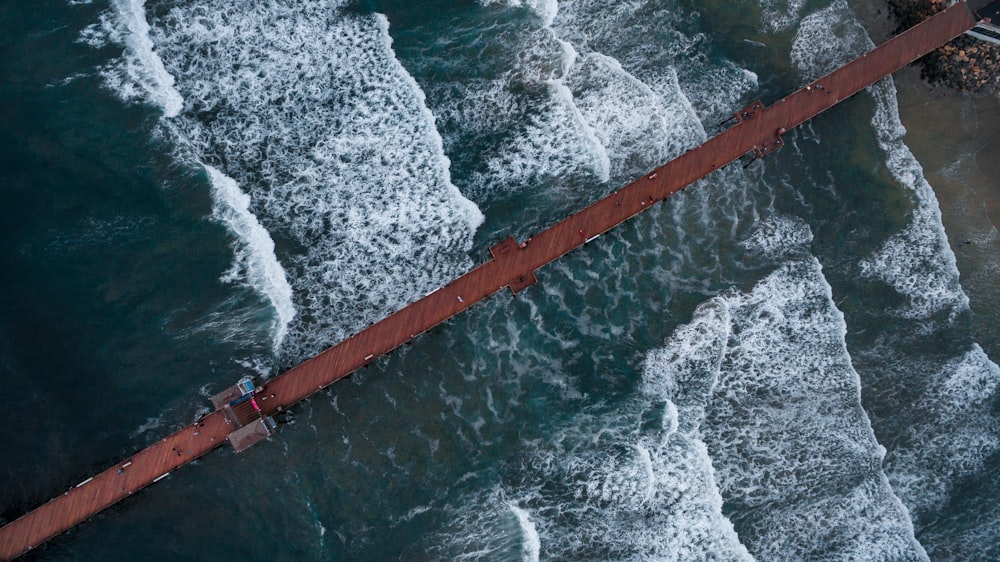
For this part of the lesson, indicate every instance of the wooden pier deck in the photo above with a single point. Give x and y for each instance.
(757, 130)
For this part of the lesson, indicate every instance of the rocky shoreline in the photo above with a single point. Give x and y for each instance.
(965, 64)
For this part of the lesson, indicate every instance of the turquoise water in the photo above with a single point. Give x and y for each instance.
(775, 364)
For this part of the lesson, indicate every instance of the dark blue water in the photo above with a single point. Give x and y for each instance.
(777, 364)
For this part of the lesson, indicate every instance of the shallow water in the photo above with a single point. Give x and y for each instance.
(781, 363)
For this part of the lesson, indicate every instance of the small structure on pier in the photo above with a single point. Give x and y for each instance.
(987, 14)
(239, 404)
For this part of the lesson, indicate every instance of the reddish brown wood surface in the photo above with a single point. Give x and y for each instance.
(513, 265)
(114, 484)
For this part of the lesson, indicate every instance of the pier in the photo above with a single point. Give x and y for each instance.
(242, 414)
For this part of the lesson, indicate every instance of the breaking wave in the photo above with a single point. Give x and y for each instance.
(917, 262)
(942, 426)
(576, 103)
(953, 432)
(770, 387)
(142, 76)
(307, 109)
(827, 39)
(532, 544)
(602, 490)
(255, 260)
(544, 9)
(780, 15)
(143, 70)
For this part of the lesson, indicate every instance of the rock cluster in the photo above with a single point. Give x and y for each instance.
(965, 64)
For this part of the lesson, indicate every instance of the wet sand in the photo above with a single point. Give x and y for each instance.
(957, 141)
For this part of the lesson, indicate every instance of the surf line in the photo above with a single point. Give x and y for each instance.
(757, 132)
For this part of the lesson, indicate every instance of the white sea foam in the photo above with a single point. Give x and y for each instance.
(556, 146)
(917, 262)
(954, 426)
(255, 259)
(729, 85)
(686, 370)
(638, 128)
(532, 544)
(143, 65)
(778, 404)
(632, 483)
(602, 490)
(552, 143)
(827, 39)
(952, 433)
(545, 9)
(645, 51)
(943, 404)
(581, 105)
(779, 236)
(306, 108)
(779, 15)
(148, 425)
(633, 496)
(491, 528)
(143, 71)
(100, 33)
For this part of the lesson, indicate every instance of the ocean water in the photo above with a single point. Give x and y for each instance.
(777, 364)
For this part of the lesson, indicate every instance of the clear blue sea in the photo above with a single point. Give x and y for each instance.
(781, 363)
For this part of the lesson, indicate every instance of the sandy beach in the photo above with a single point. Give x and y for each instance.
(956, 140)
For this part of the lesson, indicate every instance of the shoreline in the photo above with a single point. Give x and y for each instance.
(953, 142)
(949, 133)
(950, 136)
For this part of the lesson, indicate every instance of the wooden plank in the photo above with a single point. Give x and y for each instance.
(111, 486)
